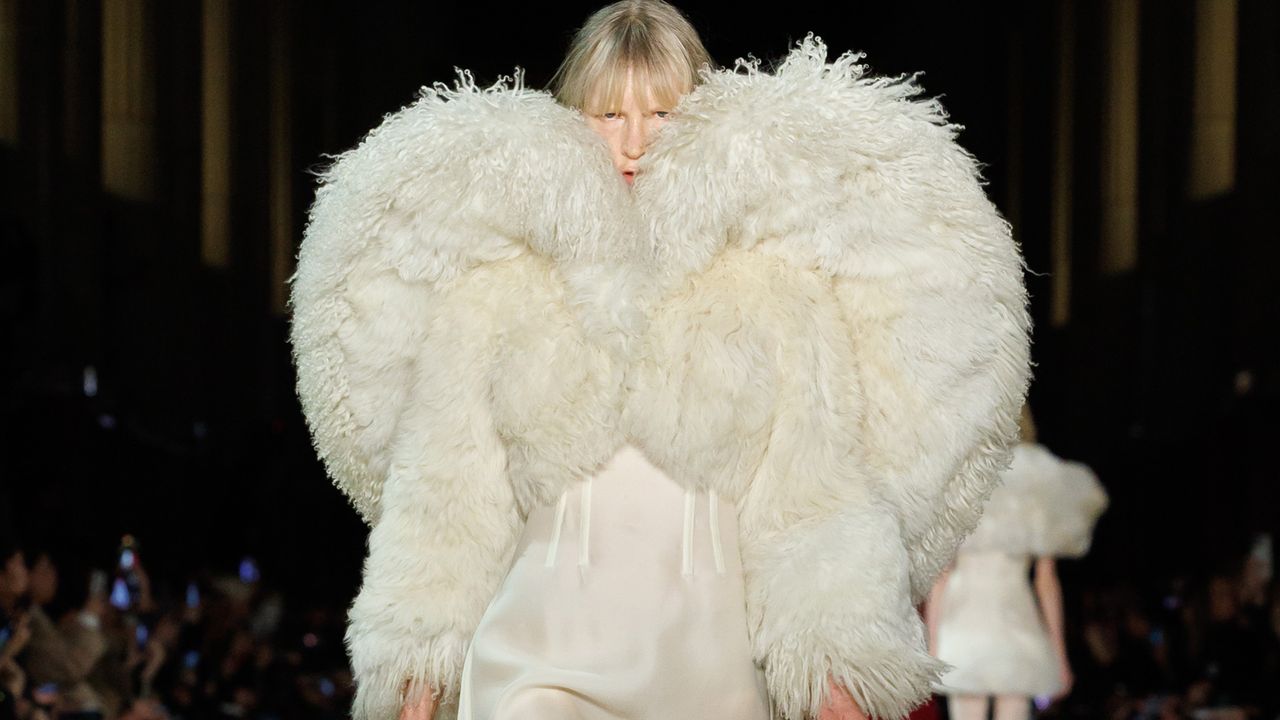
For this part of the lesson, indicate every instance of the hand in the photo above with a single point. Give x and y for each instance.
(840, 705)
(1066, 680)
(20, 637)
(96, 605)
(12, 678)
(166, 631)
(146, 602)
(424, 709)
(153, 659)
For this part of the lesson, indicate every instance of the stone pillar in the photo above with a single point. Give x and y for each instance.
(1213, 109)
(128, 101)
(1118, 251)
(215, 134)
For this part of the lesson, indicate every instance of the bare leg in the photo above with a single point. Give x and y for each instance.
(1013, 707)
(967, 707)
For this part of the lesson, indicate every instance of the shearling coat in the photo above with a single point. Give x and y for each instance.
(806, 303)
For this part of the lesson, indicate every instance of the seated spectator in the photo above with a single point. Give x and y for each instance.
(60, 657)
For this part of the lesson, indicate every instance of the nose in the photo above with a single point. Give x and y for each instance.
(633, 142)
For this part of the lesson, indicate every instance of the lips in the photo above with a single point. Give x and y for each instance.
(629, 176)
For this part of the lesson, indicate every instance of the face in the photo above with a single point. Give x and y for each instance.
(1222, 600)
(43, 580)
(629, 127)
(13, 576)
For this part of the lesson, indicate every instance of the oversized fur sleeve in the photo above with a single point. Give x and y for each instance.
(1046, 506)
(397, 299)
(850, 177)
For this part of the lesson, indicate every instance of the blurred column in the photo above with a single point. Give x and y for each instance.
(1213, 110)
(1060, 227)
(1119, 247)
(128, 101)
(215, 101)
(9, 72)
(281, 142)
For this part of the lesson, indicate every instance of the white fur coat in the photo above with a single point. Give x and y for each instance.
(807, 304)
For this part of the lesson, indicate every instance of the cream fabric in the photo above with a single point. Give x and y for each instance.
(625, 600)
(990, 629)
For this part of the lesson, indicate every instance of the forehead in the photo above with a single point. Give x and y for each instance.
(645, 86)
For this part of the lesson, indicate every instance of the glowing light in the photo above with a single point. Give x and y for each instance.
(248, 570)
(120, 594)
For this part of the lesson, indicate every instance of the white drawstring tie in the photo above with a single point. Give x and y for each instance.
(584, 526)
(555, 532)
(686, 547)
(713, 512)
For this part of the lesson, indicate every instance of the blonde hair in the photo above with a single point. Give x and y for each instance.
(647, 39)
(1027, 425)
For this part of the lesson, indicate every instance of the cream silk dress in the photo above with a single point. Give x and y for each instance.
(624, 601)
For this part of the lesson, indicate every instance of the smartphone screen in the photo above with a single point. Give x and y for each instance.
(120, 597)
(249, 570)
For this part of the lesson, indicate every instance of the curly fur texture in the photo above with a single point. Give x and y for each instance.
(808, 304)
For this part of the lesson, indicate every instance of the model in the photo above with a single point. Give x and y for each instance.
(1000, 641)
(665, 400)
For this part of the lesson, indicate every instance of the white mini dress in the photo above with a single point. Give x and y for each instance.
(990, 629)
(624, 601)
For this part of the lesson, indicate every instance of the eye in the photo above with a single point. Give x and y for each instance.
(609, 115)
(664, 114)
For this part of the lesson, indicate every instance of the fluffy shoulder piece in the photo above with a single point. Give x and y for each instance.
(852, 179)
(459, 178)
(857, 178)
(1045, 506)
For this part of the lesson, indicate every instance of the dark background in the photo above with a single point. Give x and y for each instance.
(1163, 377)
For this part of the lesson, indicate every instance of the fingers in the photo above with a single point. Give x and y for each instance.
(840, 704)
(424, 709)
